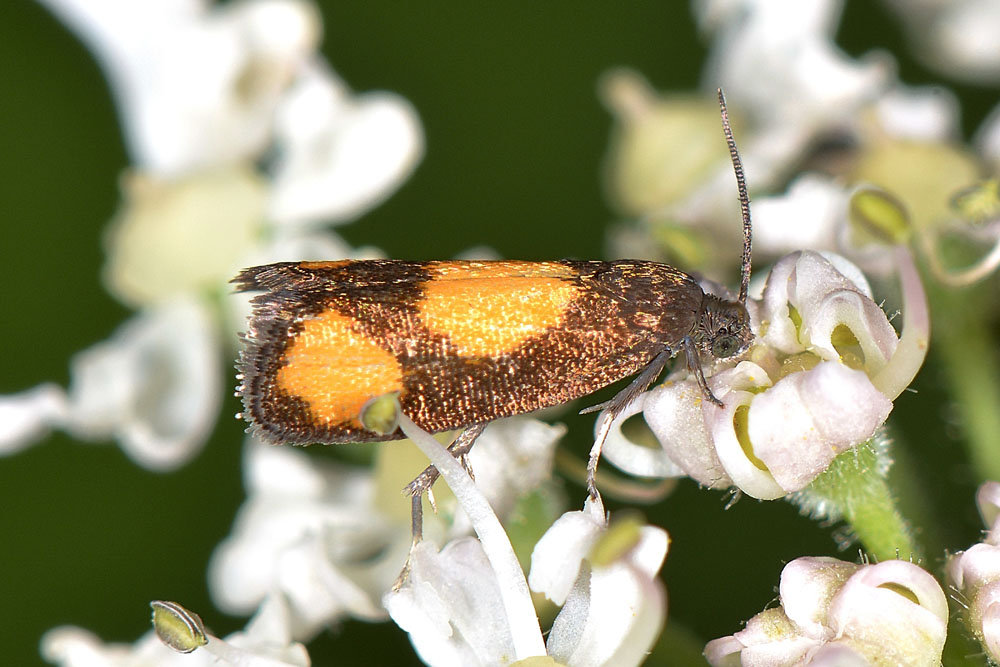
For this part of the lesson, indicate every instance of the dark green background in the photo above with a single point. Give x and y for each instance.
(515, 135)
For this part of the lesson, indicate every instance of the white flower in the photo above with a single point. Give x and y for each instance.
(265, 642)
(613, 603)
(837, 613)
(612, 608)
(312, 532)
(975, 575)
(778, 63)
(196, 85)
(154, 387)
(468, 604)
(339, 154)
(957, 37)
(821, 378)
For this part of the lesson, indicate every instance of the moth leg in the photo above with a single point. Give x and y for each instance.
(423, 482)
(613, 408)
(694, 365)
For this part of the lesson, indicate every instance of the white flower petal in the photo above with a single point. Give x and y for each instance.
(919, 114)
(768, 640)
(801, 423)
(778, 221)
(631, 457)
(807, 586)
(452, 608)
(28, 416)
(861, 317)
(320, 589)
(558, 555)
(973, 568)
(612, 617)
(154, 386)
(838, 655)
(310, 531)
(196, 87)
(747, 472)
(778, 63)
(673, 412)
(182, 235)
(887, 624)
(962, 39)
(988, 502)
(340, 155)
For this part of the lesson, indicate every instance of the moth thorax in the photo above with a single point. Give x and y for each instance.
(723, 328)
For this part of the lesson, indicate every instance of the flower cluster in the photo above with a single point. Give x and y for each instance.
(837, 613)
(820, 379)
(243, 143)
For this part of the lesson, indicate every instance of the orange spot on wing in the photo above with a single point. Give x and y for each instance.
(335, 369)
(490, 309)
(325, 265)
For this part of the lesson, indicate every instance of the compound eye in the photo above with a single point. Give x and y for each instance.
(725, 346)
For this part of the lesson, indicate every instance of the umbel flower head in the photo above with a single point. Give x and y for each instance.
(819, 380)
(469, 603)
(838, 613)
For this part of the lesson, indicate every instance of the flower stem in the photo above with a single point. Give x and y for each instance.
(514, 593)
(964, 343)
(855, 489)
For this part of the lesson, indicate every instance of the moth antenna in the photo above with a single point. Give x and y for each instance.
(741, 184)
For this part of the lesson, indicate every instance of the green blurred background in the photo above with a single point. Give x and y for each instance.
(515, 137)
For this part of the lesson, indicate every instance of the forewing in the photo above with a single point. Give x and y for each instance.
(462, 342)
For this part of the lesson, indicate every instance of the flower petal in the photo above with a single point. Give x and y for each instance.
(451, 606)
(894, 612)
(801, 423)
(154, 386)
(558, 555)
(673, 412)
(340, 155)
(195, 88)
(27, 417)
(631, 457)
(807, 586)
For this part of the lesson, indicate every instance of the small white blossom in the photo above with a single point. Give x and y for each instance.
(612, 609)
(310, 531)
(837, 613)
(975, 575)
(339, 154)
(196, 84)
(956, 37)
(153, 387)
(264, 642)
(821, 378)
(778, 63)
(468, 604)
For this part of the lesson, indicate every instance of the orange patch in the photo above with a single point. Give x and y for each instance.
(336, 370)
(472, 270)
(324, 265)
(487, 310)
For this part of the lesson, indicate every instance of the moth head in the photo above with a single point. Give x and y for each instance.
(723, 329)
